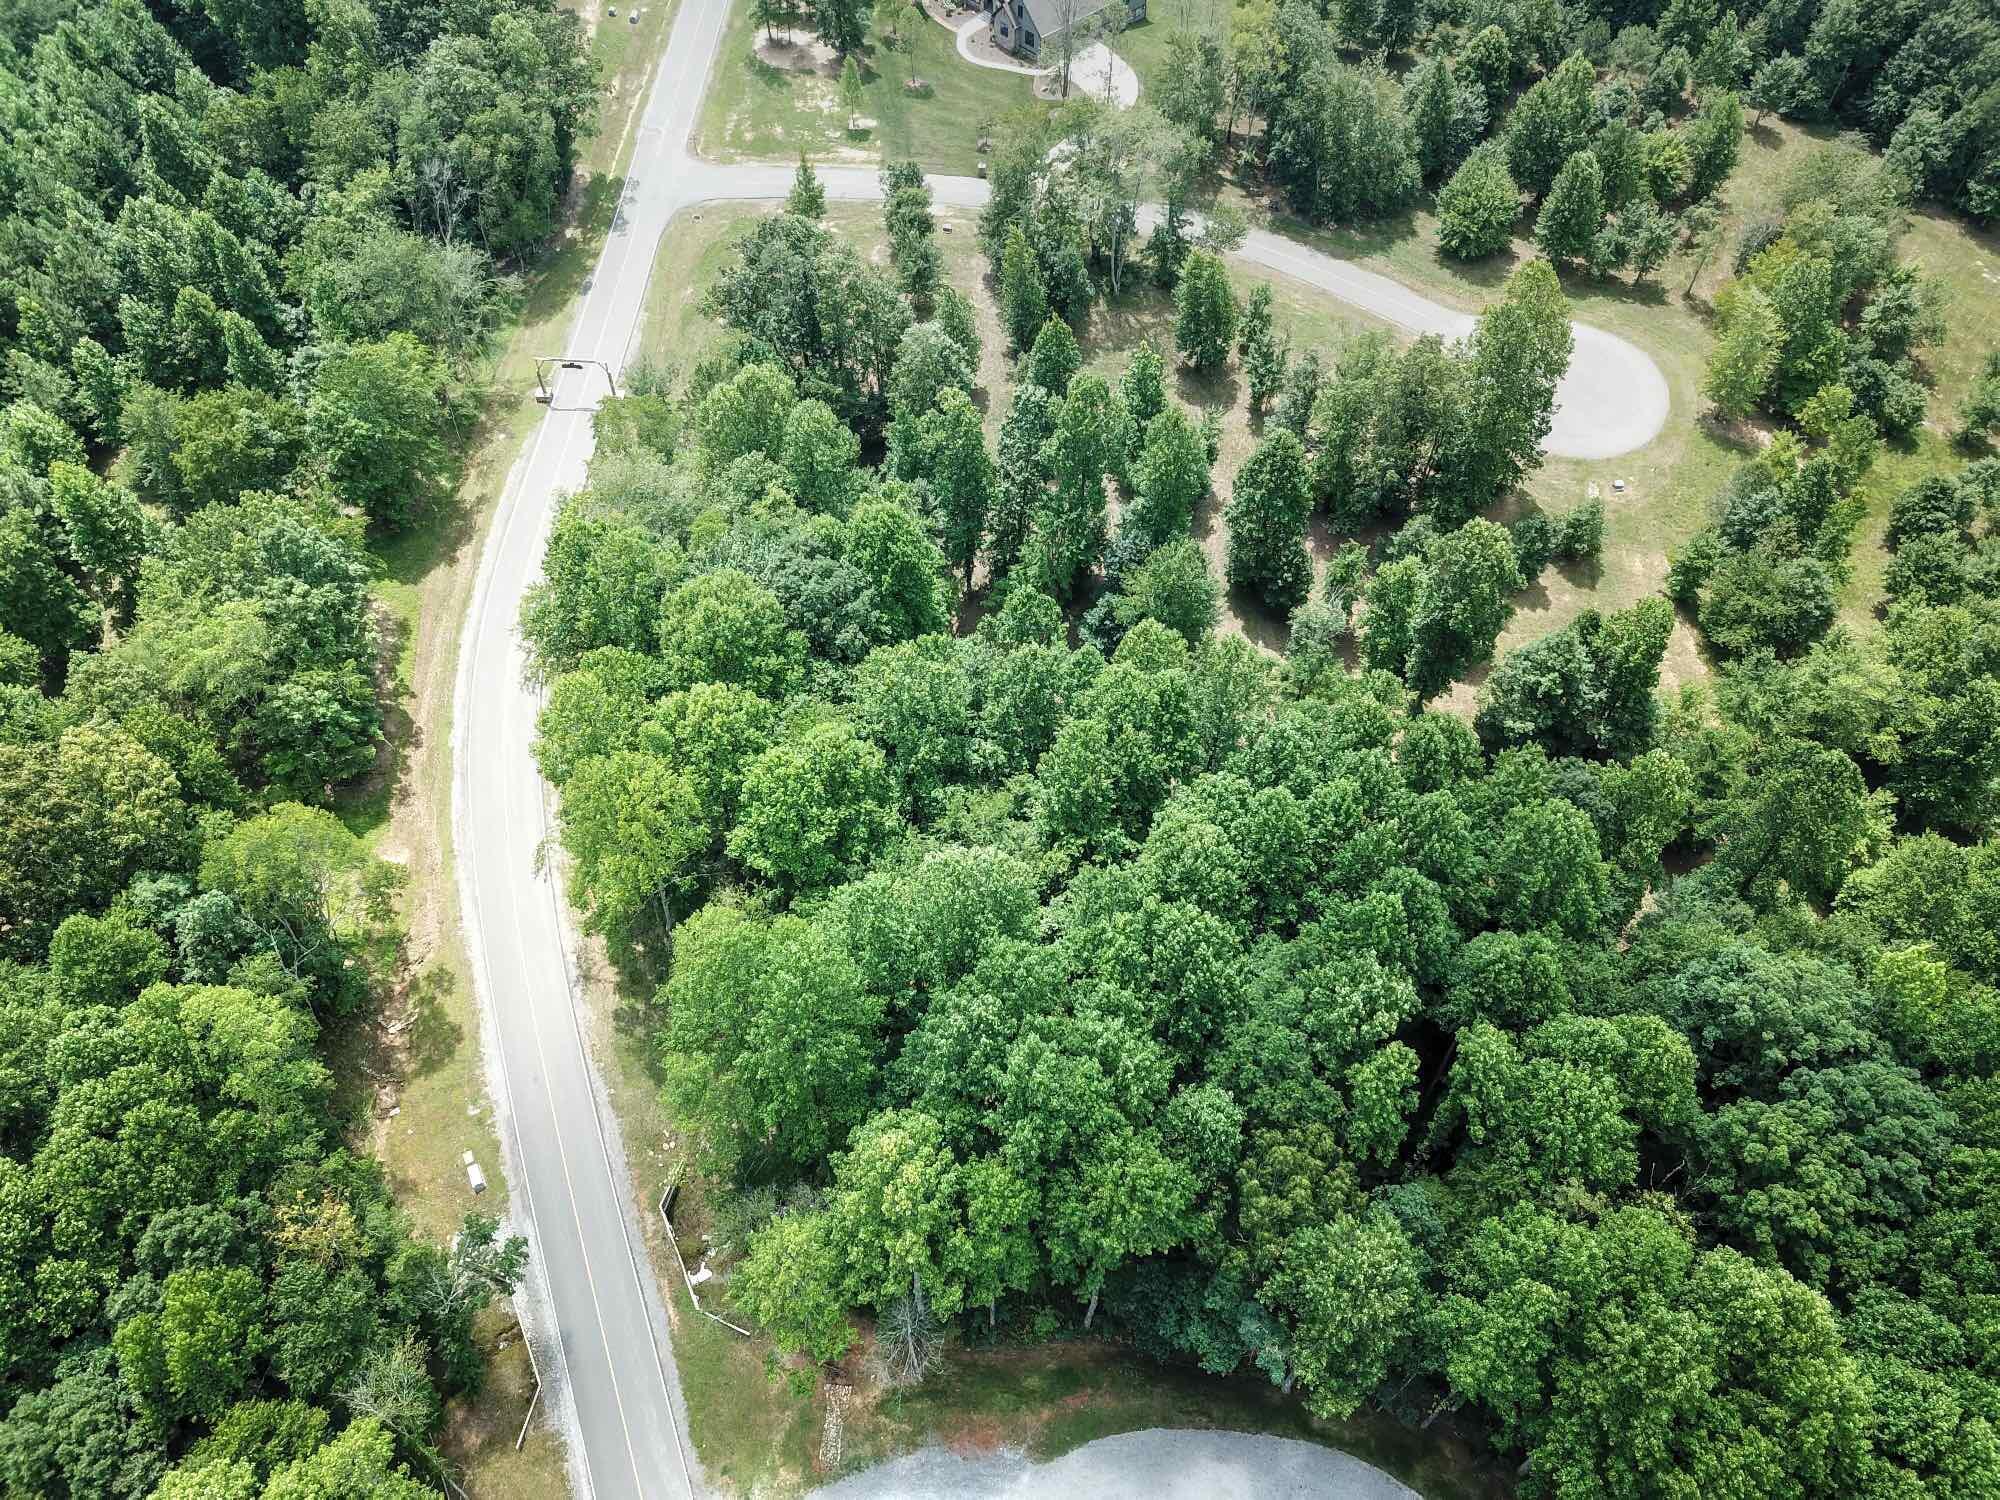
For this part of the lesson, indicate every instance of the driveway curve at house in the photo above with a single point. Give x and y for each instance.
(969, 28)
(1097, 70)
(1103, 74)
(1158, 1464)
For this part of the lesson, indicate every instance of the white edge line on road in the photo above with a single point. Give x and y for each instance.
(470, 916)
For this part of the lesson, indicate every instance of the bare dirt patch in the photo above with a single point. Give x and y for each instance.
(977, 1436)
(797, 52)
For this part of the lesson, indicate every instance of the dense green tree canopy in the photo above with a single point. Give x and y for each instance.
(1049, 951)
(251, 257)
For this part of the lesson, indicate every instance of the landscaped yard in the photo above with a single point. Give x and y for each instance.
(1671, 482)
(677, 332)
(757, 109)
(1668, 482)
(774, 99)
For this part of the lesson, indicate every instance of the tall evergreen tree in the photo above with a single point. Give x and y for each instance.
(1573, 212)
(1205, 312)
(1259, 347)
(1024, 296)
(1055, 358)
(807, 198)
(841, 24)
(1268, 510)
(1071, 524)
(959, 473)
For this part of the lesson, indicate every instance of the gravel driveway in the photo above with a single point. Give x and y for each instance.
(1159, 1464)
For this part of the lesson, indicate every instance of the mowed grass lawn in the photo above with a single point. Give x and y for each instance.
(771, 101)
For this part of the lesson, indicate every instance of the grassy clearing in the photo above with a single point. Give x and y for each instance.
(411, 1075)
(1669, 484)
(782, 99)
(755, 108)
(1968, 261)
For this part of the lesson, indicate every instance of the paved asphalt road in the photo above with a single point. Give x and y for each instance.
(1158, 1464)
(610, 1374)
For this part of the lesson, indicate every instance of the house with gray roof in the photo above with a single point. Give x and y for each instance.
(1028, 28)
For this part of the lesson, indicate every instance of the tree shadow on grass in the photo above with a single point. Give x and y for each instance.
(1351, 241)
(1260, 626)
(769, 75)
(1487, 272)
(1534, 599)
(1583, 289)
(1218, 390)
(636, 966)
(431, 1036)
(568, 259)
(1583, 574)
(362, 803)
(1140, 311)
(1738, 436)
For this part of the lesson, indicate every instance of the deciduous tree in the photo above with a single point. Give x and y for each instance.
(813, 807)
(1205, 312)
(1573, 212)
(1478, 207)
(1024, 297)
(1267, 523)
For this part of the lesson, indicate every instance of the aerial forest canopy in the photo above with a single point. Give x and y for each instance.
(1613, 1070)
(249, 257)
(1507, 93)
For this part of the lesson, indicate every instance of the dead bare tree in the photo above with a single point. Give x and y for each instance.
(908, 1339)
(443, 195)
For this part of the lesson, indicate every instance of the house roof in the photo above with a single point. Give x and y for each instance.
(1052, 17)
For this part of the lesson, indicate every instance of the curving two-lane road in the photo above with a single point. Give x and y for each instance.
(592, 1307)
